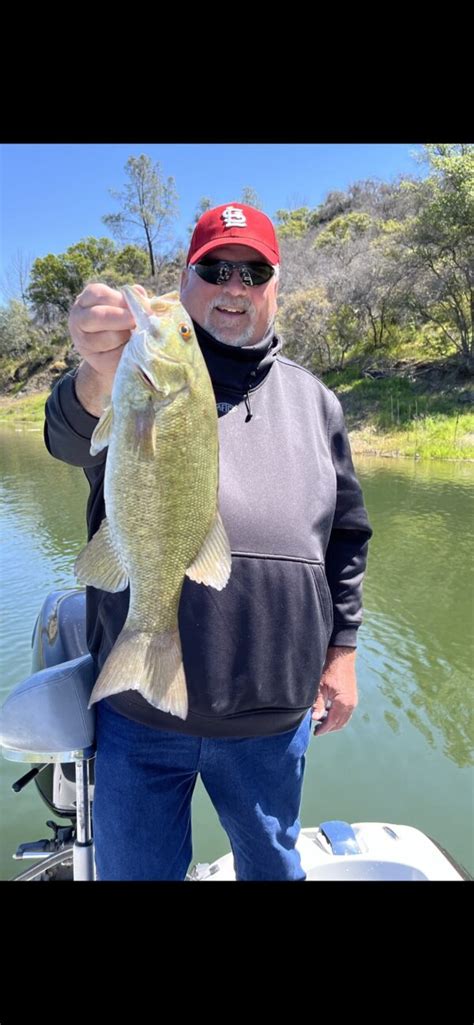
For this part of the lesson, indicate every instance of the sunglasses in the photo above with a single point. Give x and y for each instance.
(217, 272)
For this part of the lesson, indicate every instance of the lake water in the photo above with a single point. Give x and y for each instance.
(407, 754)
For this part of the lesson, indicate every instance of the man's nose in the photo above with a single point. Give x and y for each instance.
(235, 283)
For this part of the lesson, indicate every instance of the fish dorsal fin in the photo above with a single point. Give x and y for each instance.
(101, 435)
(99, 564)
(163, 303)
(213, 563)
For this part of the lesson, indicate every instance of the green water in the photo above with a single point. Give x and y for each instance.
(406, 756)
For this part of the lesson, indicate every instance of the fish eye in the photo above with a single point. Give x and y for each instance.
(185, 331)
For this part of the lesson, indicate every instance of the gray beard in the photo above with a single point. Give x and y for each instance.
(244, 338)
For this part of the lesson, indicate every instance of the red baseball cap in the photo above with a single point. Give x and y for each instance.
(234, 224)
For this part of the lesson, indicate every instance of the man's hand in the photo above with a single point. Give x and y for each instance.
(100, 324)
(339, 687)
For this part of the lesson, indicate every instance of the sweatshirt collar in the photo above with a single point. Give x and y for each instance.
(238, 367)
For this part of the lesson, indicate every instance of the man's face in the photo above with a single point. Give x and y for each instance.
(234, 313)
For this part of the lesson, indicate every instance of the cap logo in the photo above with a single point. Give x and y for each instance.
(233, 217)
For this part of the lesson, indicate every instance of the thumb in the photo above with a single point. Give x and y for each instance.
(319, 707)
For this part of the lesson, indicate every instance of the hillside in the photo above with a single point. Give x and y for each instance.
(413, 408)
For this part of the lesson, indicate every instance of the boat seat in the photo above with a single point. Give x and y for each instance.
(60, 629)
(45, 718)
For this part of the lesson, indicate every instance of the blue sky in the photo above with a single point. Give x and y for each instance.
(52, 195)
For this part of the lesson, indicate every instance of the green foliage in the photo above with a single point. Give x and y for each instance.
(92, 253)
(437, 244)
(292, 223)
(57, 280)
(343, 229)
(393, 415)
(129, 265)
(18, 334)
(24, 410)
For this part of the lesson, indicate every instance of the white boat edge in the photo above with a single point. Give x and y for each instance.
(388, 853)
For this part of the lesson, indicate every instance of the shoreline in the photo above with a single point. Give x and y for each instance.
(28, 412)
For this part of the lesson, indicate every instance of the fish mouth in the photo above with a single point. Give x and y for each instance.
(147, 381)
(165, 400)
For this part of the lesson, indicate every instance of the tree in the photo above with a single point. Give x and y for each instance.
(344, 229)
(335, 204)
(437, 243)
(205, 203)
(17, 332)
(127, 266)
(57, 280)
(15, 278)
(250, 197)
(149, 203)
(293, 223)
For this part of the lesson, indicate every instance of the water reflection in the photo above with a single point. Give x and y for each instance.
(43, 530)
(418, 596)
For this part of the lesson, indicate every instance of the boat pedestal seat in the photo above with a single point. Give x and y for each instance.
(45, 718)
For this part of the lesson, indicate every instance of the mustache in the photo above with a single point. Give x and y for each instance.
(229, 300)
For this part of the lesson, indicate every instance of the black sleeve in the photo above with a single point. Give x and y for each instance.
(346, 554)
(68, 426)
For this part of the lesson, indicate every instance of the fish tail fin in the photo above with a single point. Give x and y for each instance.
(149, 663)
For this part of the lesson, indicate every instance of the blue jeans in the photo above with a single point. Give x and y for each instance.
(144, 781)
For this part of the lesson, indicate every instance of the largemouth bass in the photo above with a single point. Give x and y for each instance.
(162, 519)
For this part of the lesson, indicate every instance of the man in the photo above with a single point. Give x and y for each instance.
(276, 647)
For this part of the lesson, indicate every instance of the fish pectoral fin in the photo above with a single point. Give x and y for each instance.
(101, 436)
(144, 433)
(99, 564)
(213, 563)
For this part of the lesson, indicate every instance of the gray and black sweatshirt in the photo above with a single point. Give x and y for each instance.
(298, 530)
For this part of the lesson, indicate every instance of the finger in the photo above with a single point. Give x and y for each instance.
(325, 727)
(341, 712)
(97, 294)
(332, 724)
(319, 731)
(101, 341)
(106, 362)
(99, 318)
(101, 295)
